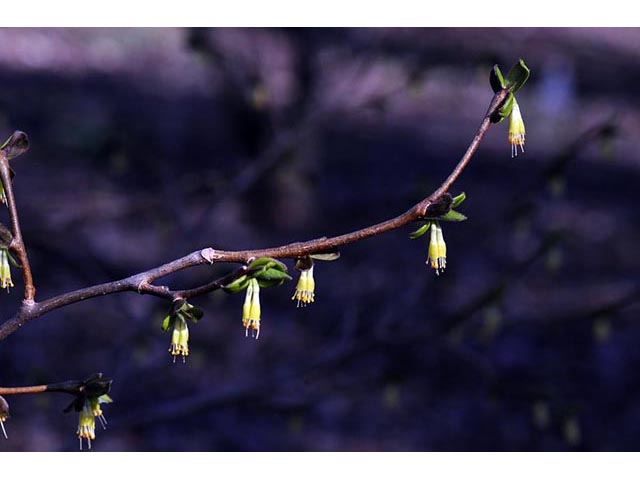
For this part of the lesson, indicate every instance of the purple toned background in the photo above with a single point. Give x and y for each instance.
(150, 143)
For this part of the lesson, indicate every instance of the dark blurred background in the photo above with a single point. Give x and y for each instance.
(150, 143)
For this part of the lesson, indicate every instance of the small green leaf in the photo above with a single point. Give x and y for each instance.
(13, 261)
(457, 200)
(496, 79)
(269, 283)
(272, 274)
(180, 315)
(278, 265)
(420, 232)
(166, 323)
(16, 144)
(237, 285)
(453, 216)
(267, 263)
(326, 256)
(194, 313)
(504, 111)
(260, 262)
(517, 76)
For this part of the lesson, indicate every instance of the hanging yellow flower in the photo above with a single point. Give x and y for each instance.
(251, 309)
(516, 130)
(180, 339)
(437, 249)
(305, 289)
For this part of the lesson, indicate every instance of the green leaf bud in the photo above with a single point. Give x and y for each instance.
(420, 231)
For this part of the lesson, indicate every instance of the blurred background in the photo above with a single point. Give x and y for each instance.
(147, 144)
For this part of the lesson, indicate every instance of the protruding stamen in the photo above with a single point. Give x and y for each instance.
(103, 422)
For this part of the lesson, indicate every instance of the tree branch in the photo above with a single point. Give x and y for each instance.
(432, 206)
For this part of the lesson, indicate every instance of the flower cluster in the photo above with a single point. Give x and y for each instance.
(180, 339)
(437, 249)
(89, 411)
(92, 392)
(86, 425)
(251, 309)
(181, 312)
(514, 80)
(305, 289)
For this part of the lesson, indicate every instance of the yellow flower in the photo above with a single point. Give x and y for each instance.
(516, 130)
(177, 319)
(5, 270)
(246, 307)
(86, 425)
(180, 339)
(437, 249)
(251, 309)
(305, 289)
(93, 392)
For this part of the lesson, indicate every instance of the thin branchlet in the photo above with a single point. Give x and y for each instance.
(17, 245)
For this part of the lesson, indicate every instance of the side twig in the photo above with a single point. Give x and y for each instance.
(17, 245)
(71, 387)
